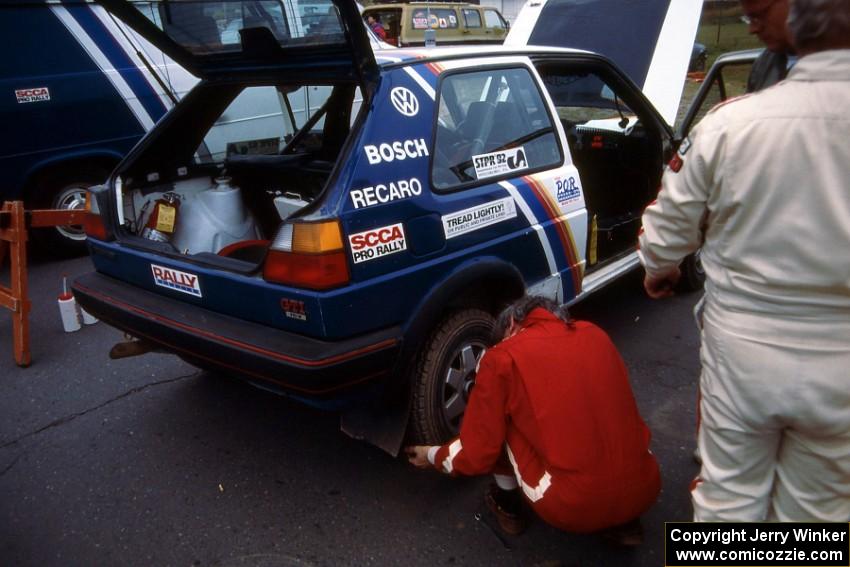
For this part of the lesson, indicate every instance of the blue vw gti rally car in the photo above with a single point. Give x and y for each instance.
(351, 247)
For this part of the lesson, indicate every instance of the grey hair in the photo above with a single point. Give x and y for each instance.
(519, 310)
(819, 24)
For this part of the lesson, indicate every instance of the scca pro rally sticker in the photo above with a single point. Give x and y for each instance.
(474, 218)
(498, 163)
(377, 243)
(32, 95)
(175, 279)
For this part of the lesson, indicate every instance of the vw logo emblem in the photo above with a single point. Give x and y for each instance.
(404, 101)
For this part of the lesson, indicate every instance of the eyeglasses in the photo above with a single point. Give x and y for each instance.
(757, 17)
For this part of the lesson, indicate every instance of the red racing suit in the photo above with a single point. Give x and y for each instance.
(557, 399)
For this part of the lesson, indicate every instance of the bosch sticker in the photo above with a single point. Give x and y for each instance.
(294, 309)
(377, 243)
(384, 193)
(32, 95)
(404, 101)
(478, 217)
(175, 279)
(498, 163)
(567, 191)
(392, 151)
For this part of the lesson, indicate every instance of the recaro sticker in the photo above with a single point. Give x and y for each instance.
(183, 282)
(392, 151)
(377, 243)
(478, 217)
(32, 95)
(499, 163)
(404, 101)
(384, 193)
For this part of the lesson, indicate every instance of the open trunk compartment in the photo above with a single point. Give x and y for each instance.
(232, 165)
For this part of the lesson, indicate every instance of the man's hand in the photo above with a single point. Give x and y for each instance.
(417, 455)
(659, 287)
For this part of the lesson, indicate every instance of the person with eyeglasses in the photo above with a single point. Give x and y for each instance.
(762, 188)
(766, 19)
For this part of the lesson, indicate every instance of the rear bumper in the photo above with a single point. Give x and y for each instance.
(287, 361)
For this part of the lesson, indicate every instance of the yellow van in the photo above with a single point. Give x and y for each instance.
(453, 22)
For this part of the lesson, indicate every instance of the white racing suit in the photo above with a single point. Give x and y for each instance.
(763, 185)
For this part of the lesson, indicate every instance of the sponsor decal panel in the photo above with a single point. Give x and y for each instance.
(377, 243)
(294, 309)
(404, 101)
(474, 218)
(499, 163)
(32, 95)
(385, 192)
(183, 282)
(567, 190)
(392, 151)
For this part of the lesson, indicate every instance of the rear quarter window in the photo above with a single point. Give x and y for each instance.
(491, 124)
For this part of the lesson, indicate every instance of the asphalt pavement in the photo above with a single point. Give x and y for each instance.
(149, 461)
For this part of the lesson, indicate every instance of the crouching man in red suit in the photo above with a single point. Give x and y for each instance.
(552, 414)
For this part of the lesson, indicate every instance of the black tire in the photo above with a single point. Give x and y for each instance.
(444, 374)
(65, 190)
(693, 275)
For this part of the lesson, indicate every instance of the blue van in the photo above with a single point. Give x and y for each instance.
(354, 256)
(79, 88)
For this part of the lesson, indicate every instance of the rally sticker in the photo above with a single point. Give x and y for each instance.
(474, 218)
(566, 190)
(376, 243)
(499, 163)
(32, 95)
(175, 279)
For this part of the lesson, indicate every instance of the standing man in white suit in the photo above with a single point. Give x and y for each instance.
(763, 186)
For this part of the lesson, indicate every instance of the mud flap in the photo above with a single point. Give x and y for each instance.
(381, 425)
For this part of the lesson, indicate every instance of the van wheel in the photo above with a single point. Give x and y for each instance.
(444, 374)
(693, 274)
(66, 191)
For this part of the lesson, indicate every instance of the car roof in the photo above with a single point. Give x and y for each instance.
(392, 57)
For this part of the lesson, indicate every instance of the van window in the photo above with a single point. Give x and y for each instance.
(494, 20)
(491, 124)
(391, 20)
(472, 18)
(442, 18)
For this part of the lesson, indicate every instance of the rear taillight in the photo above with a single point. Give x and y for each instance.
(93, 223)
(308, 254)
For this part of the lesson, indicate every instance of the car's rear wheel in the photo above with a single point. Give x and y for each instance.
(444, 374)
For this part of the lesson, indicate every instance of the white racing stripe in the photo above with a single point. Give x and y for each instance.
(429, 90)
(664, 79)
(535, 224)
(155, 59)
(102, 61)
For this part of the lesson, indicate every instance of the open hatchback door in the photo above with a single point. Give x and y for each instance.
(650, 40)
(215, 38)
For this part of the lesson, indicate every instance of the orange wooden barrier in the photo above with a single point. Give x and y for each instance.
(14, 224)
